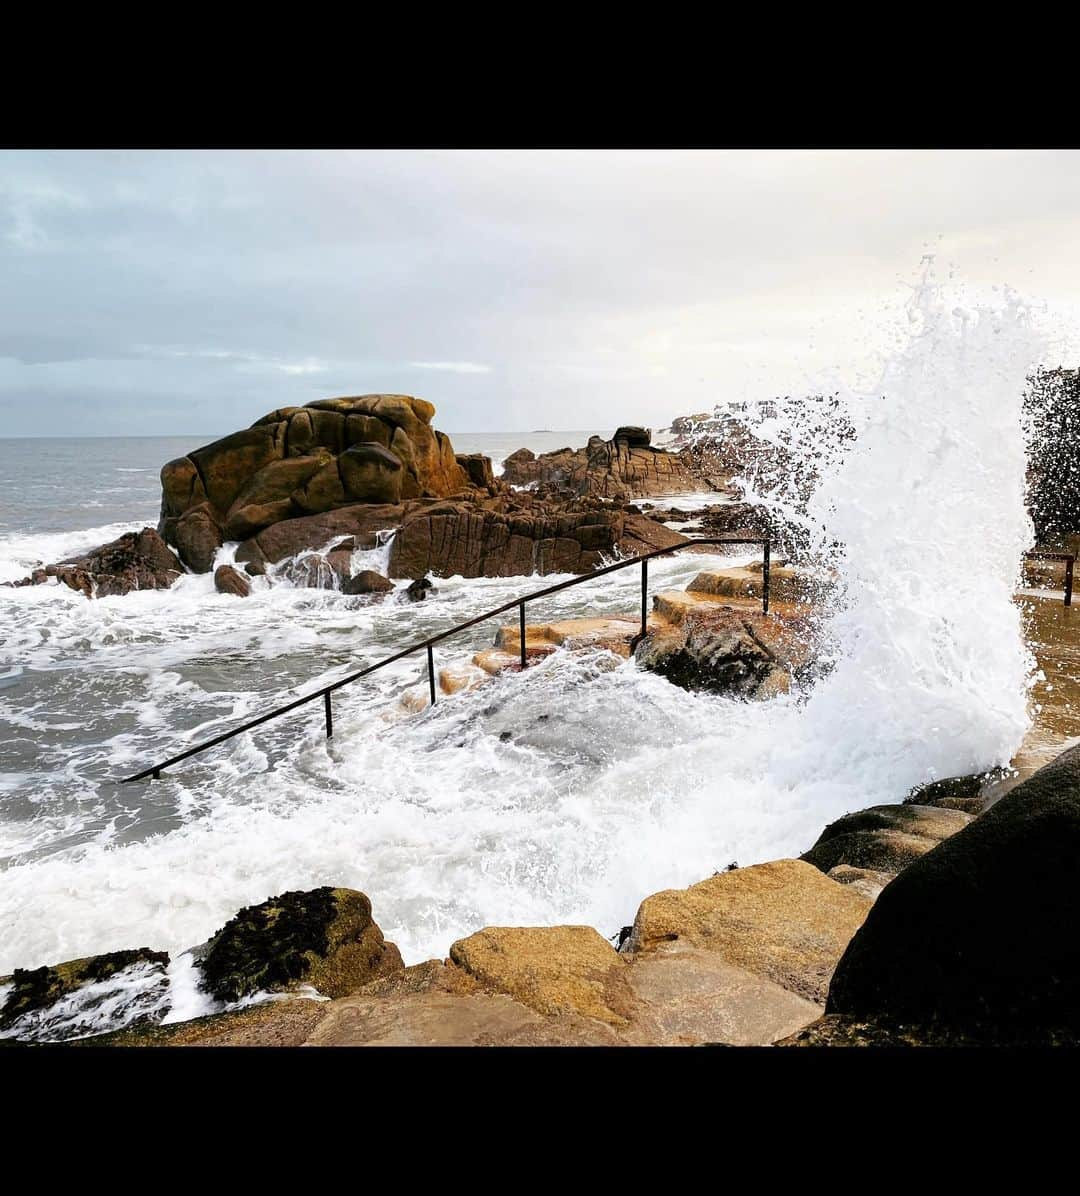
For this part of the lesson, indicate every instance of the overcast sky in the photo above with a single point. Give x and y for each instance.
(149, 293)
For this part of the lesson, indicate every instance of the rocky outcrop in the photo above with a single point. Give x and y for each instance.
(622, 468)
(324, 937)
(978, 936)
(783, 920)
(64, 1001)
(302, 461)
(228, 580)
(454, 538)
(367, 581)
(884, 838)
(135, 561)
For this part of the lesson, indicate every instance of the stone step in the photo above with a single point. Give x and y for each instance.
(786, 582)
(613, 633)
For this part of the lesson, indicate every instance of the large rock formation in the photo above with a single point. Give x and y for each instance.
(135, 561)
(300, 461)
(977, 938)
(626, 466)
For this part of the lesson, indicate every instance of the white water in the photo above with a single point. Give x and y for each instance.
(612, 784)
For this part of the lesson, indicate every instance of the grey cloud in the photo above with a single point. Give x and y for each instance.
(192, 291)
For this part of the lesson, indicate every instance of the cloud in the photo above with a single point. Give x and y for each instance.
(452, 367)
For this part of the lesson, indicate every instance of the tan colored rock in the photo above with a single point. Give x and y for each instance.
(451, 1019)
(614, 634)
(788, 583)
(783, 920)
(863, 880)
(278, 1023)
(689, 995)
(460, 678)
(552, 969)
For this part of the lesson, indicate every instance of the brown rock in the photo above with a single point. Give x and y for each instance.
(228, 580)
(552, 969)
(863, 880)
(197, 538)
(291, 536)
(367, 582)
(135, 561)
(371, 473)
(783, 920)
(884, 838)
(267, 497)
(477, 469)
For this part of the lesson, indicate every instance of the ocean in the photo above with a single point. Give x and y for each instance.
(563, 795)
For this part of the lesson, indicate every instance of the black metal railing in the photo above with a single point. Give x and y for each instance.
(155, 770)
(1069, 560)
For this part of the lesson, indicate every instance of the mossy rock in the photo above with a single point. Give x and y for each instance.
(323, 937)
(38, 988)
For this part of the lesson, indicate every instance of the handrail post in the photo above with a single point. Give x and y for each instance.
(521, 633)
(431, 673)
(329, 717)
(644, 598)
(765, 578)
(1069, 580)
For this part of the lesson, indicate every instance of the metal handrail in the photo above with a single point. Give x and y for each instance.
(1069, 560)
(155, 770)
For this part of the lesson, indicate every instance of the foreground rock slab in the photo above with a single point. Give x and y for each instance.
(978, 936)
(784, 920)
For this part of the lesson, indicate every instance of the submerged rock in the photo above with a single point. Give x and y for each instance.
(726, 650)
(367, 581)
(323, 937)
(71, 999)
(978, 937)
(419, 589)
(135, 561)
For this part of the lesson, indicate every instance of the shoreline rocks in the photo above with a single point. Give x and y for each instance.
(134, 561)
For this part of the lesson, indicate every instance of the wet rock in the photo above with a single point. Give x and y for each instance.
(303, 461)
(367, 581)
(782, 920)
(323, 937)
(979, 935)
(255, 569)
(63, 1001)
(419, 589)
(957, 793)
(478, 469)
(635, 437)
(279, 1023)
(726, 650)
(135, 561)
(362, 522)
(197, 536)
(884, 838)
(228, 580)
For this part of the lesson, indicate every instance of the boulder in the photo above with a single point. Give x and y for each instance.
(367, 581)
(228, 580)
(478, 469)
(979, 935)
(782, 920)
(969, 793)
(634, 436)
(135, 561)
(362, 521)
(323, 937)
(551, 969)
(266, 497)
(371, 473)
(419, 589)
(884, 838)
(69, 1000)
(727, 650)
(197, 537)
